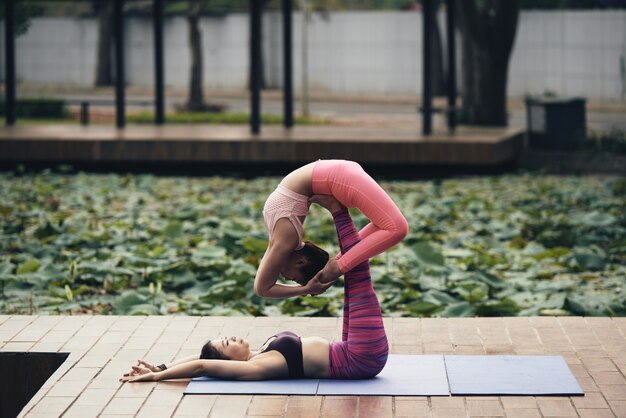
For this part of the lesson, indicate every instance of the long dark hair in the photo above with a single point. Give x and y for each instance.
(209, 352)
(316, 260)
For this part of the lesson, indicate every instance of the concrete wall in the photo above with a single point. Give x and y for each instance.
(569, 53)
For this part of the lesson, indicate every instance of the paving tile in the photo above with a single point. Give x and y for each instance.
(613, 392)
(104, 349)
(52, 405)
(405, 349)
(339, 407)
(447, 402)
(449, 413)
(438, 348)
(593, 400)
(104, 382)
(587, 384)
(82, 411)
(518, 402)
(506, 349)
(114, 337)
(523, 413)
(593, 351)
(175, 386)
(96, 398)
(136, 390)
(198, 405)
(583, 339)
(46, 347)
(230, 406)
(484, 408)
(556, 407)
(405, 339)
(80, 373)
(164, 398)
(304, 406)
(123, 406)
(618, 408)
(67, 388)
(264, 405)
(578, 370)
(376, 406)
(163, 411)
(595, 413)
(411, 408)
(80, 342)
(92, 360)
(469, 350)
(32, 332)
(608, 378)
(595, 364)
(17, 346)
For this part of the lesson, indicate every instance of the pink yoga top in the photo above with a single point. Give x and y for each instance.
(285, 203)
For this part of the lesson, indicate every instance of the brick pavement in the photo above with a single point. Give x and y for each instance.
(103, 347)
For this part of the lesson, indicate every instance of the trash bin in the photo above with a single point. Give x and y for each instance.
(555, 123)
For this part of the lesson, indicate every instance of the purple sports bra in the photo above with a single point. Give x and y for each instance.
(290, 346)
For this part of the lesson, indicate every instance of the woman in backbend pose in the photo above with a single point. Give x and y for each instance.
(361, 354)
(284, 213)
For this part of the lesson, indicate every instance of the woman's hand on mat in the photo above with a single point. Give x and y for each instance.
(314, 287)
(147, 365)
(139, 374)
(329, 274)
(327, 201)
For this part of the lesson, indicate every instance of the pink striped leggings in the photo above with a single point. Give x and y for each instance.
(363, 351)
(354, 188)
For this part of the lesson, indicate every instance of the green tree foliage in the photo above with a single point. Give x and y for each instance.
(24, 12)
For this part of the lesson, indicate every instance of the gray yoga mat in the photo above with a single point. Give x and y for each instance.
(207, 385)
(424, 375)
(404, 375)
(510, 375)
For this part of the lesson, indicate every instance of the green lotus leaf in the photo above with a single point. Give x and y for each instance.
(29, 266)
(426, 254)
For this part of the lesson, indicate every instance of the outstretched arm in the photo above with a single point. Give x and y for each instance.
(145, 367)
(262, 369)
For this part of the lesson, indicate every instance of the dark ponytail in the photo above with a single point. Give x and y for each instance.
(209, 352)
(316, 260)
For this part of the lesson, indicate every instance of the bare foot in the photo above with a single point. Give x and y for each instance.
(330, 273)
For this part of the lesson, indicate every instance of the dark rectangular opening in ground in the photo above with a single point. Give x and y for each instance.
(25, 374)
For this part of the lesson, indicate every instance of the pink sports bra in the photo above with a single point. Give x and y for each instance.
(285, 203)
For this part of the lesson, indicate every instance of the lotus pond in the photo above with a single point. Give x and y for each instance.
(523, 244)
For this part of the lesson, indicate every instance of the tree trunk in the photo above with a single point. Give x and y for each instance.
(195, 101)
(488, 33)
(104, 75)
(438, 79)
(261, 59)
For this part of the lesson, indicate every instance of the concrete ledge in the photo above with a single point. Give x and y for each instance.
(220, 143)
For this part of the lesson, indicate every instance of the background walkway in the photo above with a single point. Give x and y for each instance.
(103, 347)
(344, 109)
